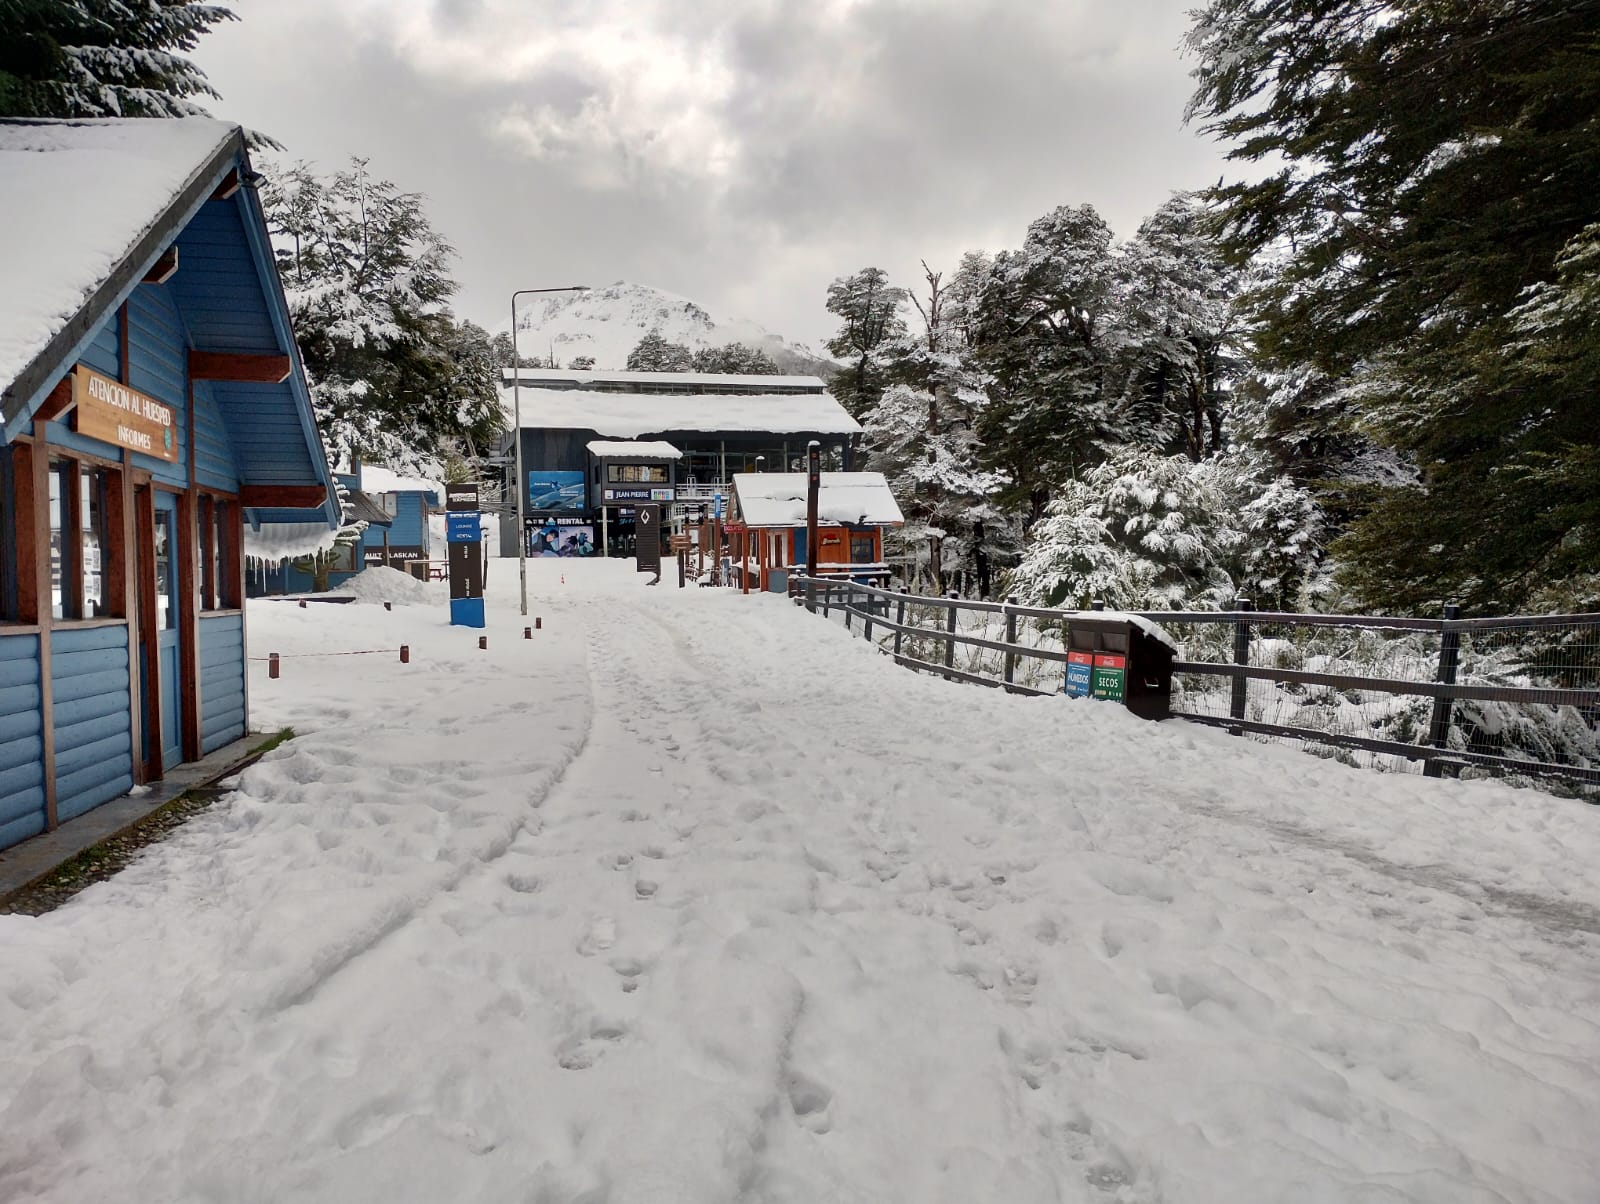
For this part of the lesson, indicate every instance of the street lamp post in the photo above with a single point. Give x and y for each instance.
(516, 434)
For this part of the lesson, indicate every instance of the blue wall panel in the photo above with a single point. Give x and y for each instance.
(221, 680)
(158, 364)
(213, 450)
(89, 683)
(21, 740)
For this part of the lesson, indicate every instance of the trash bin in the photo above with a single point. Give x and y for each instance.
(1119, 661)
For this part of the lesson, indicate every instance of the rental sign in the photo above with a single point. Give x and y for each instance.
(109, 410)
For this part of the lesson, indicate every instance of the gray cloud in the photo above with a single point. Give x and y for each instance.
(742, 153)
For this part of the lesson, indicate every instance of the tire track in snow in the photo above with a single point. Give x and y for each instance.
(545, 783)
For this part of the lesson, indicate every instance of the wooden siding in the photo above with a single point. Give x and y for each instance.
(221, 681)
(89, 683)
(218, 285)
(213, 449)
(22, 812)
(158, 364)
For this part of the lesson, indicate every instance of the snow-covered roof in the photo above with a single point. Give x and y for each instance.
(77, 198)
(629, 415)
(375, 479)
(617, 449)
(592, 377)
(778, 499)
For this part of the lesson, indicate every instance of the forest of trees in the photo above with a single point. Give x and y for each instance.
(1363, 377)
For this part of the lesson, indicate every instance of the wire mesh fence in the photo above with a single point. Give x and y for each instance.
(1514, 697)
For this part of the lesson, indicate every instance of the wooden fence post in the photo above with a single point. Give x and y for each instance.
(1011, 638)
(1449, 661)
(866, 619)
(811, 594)
(899, 624)
(827, 598)
(950, 626)
(1241, 656)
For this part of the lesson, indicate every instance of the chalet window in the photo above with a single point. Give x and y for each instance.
(862, 547)
(166, 577)
(390, 503)
(636, 474)
(94, 546)
(205, 550)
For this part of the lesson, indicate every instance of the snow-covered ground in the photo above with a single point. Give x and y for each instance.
(692, 898)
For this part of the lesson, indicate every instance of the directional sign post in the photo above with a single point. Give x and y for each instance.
(464, 537)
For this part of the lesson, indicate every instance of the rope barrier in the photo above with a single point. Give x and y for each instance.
(361, 652)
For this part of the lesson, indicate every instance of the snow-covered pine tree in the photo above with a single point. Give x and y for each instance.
(1143, 531)
(735, 359)
(654, 353)
(1177, 314)
(1042, 327)
(393, 376)
(103, 58)
(872, 329)
(923, 435)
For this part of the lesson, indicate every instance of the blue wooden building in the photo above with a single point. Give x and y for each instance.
(153, 407)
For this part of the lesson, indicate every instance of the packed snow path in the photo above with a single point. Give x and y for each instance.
(693, 899)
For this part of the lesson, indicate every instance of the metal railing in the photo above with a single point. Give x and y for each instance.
(1515, 696)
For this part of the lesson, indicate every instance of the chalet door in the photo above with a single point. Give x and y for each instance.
(159, 616)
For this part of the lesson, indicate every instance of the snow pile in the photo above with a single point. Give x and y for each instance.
(692, 898)
(77, 197)
(375, 479)
(383, 583)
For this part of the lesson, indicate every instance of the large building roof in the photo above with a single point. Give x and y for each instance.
(778, 499)
(660, 382)
(632, 415)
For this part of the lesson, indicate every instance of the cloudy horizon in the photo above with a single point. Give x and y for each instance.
(742, 154)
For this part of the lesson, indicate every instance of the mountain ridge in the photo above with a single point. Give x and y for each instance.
(607, 323)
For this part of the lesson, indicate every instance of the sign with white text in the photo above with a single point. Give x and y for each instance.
(109, 410)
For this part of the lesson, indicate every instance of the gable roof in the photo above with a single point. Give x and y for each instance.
(90, 206)
(778, 499)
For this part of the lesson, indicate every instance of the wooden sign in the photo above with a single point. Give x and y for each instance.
(682, 543)
(109, 410)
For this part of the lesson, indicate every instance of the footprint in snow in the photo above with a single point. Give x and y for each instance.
(810, 1100)
(581, 1051)
(644, 888)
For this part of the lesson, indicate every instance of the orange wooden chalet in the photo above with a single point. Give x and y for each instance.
(767, 527)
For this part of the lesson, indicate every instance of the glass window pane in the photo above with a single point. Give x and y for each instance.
(166, 612)
(91, 540)
(57, 602)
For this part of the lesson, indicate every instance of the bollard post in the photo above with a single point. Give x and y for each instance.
(302, 603)
(1449, 662)
(1241, 656)
(1011, 638)
(899, 625)
(527, 633)
(405, 654)
(538, 623)
(950, 626)
(272, 666)
(388, 606)
(483, 641)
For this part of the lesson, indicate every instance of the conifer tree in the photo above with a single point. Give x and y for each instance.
(1438, 176)
(103, 58)
(873, 327)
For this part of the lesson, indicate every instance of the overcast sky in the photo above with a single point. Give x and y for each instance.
(743, 153)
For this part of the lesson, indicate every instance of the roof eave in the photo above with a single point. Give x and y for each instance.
(22, 395)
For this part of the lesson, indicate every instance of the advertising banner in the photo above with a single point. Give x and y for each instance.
(563, 537)
(1080, 668)
(556, 490)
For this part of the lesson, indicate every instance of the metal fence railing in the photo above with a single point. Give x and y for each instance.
(1514, 696)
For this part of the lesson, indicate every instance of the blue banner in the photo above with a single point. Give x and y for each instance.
(462, 527)
(557, 490)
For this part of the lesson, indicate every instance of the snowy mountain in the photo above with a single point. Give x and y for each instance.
(608, 322)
